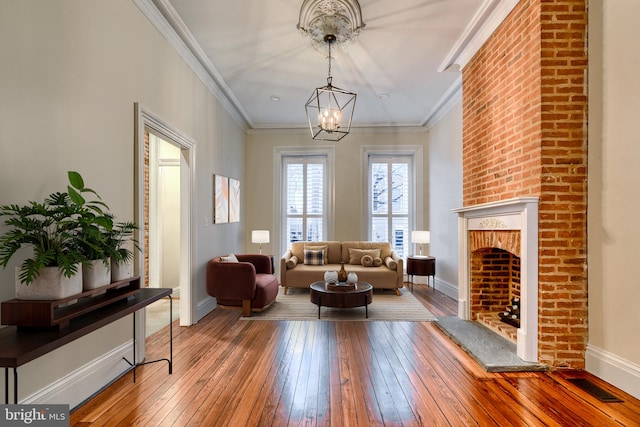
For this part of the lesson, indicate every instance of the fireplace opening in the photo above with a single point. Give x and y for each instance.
(505, 234)
(495, 290)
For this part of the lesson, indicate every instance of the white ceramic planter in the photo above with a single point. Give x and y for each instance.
(121, 271)
(96, 274)
(331, 276)
(50, 284)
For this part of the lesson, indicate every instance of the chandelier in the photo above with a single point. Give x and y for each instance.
(328, 106)
(329, 24)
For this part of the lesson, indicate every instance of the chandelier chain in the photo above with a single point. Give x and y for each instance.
(329, 78)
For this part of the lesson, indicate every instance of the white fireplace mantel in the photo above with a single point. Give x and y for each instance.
(512, 214)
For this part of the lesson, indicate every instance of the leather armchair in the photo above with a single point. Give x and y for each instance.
(248, 284)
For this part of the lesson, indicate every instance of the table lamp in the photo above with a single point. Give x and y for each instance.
(420, 237)
(260, 236)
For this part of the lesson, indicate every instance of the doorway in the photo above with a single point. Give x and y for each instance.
(146, 125)
(163, 234)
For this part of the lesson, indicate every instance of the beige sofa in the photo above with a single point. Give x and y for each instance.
(294, 273)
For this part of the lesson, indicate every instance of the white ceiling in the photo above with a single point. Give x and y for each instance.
(254, 51)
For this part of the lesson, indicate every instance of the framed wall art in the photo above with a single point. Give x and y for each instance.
(220, 199)
(234, 200)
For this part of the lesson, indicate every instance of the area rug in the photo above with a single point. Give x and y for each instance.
(385, 306)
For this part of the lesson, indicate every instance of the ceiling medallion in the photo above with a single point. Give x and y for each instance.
(340, 18)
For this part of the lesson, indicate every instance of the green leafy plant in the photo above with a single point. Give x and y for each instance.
(118, 237)
(64, 230)
(94, 221)
(49, 229)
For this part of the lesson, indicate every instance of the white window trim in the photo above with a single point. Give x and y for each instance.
(417, 181)
(278, 185)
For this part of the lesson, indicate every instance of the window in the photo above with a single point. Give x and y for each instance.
(391, 199)
(304, 195)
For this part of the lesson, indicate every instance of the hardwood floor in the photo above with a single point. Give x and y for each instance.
(232, 372)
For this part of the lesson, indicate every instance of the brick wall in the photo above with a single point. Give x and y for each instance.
(524, 134)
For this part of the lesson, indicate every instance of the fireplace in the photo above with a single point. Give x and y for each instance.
(498, 262)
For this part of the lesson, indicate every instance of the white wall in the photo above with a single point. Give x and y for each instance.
(71, 73)
(614, 230)
(349, 198)
(445, 193)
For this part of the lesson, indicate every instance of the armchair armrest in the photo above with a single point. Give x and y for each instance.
(399, 261)
(231, 280)
(283, 267)
(262, 263)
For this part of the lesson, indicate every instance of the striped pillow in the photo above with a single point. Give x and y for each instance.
(313, 257)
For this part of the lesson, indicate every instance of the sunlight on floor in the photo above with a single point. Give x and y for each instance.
(158, 314)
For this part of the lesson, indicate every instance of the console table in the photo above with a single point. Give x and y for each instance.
(421, 266)
(19, 346)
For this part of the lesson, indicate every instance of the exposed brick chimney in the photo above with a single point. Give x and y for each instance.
(524, 134)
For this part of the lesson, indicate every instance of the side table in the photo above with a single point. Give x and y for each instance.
(421, 266)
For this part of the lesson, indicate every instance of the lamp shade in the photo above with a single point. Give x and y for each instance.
(420, 237)
(260, 236)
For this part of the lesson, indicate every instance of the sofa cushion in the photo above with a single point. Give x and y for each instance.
(291, 262)
(314, 257)
(229, 258)
(391, 263)
(385, 248)
(367, 261)
(323, 248)
(378, 277)
(333, 254)
(355, 255)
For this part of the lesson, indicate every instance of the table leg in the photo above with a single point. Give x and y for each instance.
(15, 386)
(6, 385)
(366, 308)
(319, 305)
(171, 333)
(134, 347)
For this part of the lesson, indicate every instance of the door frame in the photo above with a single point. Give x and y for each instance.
(146, 120)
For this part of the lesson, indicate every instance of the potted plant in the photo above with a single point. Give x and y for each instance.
(94, 224)
(52, 230)
(118, 239)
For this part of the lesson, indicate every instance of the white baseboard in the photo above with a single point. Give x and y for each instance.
(613, 369)
(447, 288)
(76, 387)
(205, 306)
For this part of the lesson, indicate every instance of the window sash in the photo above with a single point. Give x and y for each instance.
(391, 207)
(305, 184)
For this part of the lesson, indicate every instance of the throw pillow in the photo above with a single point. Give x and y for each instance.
(291, 262)
(377, 262)
(324, 248)
(391, 263)
(313, 257)
(355, 255)
(229, 258)
(367, 261)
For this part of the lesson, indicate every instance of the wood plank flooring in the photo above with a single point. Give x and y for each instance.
(232, 372)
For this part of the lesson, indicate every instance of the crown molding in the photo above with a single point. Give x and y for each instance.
(354, 130)
(166, 20)
(482, 26)
(445, 103)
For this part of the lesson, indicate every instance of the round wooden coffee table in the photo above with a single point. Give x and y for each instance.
(358, 297)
